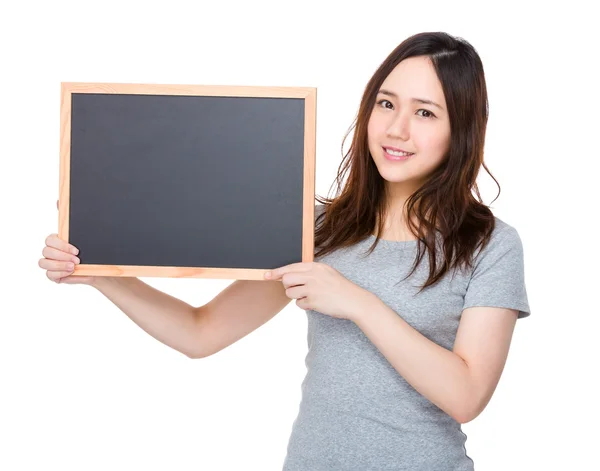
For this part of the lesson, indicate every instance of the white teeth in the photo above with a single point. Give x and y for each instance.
(396, 153)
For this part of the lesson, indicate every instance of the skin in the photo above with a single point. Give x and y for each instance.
(460, 382)
(59, 260)
(399, 122)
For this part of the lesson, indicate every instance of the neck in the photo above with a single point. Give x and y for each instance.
(395, 225)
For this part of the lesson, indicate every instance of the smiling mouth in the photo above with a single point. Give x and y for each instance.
(397, 153)
(394, 155)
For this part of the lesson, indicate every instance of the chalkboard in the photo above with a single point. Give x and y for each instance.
(187, 180)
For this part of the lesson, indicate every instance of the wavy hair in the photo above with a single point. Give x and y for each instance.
(451, 221)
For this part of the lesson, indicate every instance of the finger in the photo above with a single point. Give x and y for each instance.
(57, 276)
(302, 303)
(55, 254)
(54, 241)
(296, 292)
(279, 272)
(56, 265)
(293, 279)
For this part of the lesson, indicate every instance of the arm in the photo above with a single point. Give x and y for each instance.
(460, 382)
(167, 319)
(197, 332)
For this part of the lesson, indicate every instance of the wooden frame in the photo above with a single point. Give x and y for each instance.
(306, 93)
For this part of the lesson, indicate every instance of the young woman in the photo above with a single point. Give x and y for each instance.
(414, 292)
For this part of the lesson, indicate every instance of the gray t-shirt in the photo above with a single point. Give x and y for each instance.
(357, 412)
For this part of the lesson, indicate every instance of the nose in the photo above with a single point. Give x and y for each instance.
(399, 127)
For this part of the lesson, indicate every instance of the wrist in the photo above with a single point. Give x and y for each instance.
(100, 282)
(362, 305)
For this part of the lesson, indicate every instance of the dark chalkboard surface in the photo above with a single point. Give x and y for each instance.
(187, 181)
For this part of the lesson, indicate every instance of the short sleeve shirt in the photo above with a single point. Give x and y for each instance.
(357, 412)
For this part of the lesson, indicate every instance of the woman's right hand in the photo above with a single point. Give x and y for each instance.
(59, 261)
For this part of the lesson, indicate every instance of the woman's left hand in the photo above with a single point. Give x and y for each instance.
(319, 287)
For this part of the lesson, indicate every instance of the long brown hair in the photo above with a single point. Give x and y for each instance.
(452, 223)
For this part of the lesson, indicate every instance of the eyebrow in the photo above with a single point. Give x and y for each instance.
(415, 100)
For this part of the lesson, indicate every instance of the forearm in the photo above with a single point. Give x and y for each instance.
(435, 372)
(166, 318)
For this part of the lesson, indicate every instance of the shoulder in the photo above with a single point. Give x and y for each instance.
(319, 208)
(504, 239)
(504, 233)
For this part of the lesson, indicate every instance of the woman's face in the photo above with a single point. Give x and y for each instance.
(399, 121)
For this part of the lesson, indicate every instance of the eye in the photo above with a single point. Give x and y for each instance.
(428, 115)
(386, 101)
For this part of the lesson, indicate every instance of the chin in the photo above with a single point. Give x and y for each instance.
(396, 177)
(391, 174)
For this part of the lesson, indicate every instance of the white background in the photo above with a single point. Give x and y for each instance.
(83, 388)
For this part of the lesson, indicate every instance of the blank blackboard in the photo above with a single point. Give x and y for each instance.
(187, 180)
